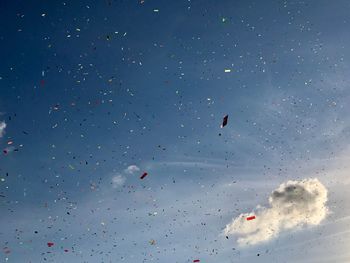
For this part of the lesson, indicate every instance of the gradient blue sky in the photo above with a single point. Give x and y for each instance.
(91, 87)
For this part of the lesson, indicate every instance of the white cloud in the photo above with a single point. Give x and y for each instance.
(132, 169)
(2, 128)
(292, 205)
(118, 181)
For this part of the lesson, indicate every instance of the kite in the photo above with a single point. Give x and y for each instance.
(224, 121)
(143, 175)
(50, 244)
(250, 218)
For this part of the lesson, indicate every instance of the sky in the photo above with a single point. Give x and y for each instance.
(112, 145)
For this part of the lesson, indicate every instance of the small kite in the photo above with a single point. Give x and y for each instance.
(143, 175)
(50, 244)
(224, 121)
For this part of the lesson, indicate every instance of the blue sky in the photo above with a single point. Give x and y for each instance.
(89, 88)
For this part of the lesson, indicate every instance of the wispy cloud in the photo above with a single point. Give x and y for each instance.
(292, 205)
(118, 181)
(132, 169)
(2, 128)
